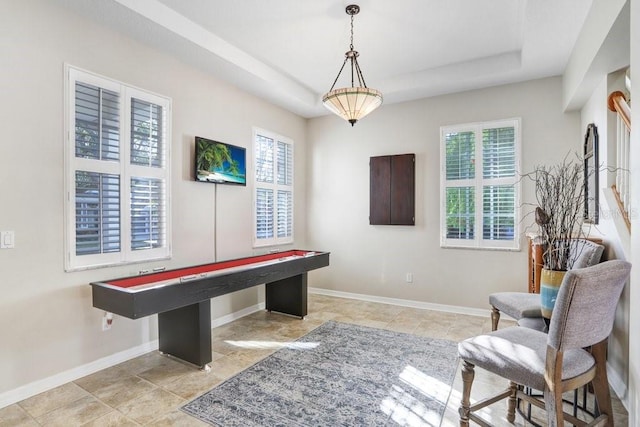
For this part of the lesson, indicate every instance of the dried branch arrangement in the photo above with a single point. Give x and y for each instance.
(560, 211)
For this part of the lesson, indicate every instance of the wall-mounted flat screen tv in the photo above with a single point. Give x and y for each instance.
(220, 163)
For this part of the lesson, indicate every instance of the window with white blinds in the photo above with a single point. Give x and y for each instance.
(480, 188)
(273, 194)
(117, 169)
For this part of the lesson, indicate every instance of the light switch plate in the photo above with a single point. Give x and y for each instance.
(7, 240)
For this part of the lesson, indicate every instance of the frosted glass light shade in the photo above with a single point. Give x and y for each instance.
(352, 103)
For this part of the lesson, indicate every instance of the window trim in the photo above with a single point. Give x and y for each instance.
(122, 168)
(274, 241)
(478, 182)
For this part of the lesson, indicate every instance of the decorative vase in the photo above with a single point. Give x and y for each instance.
(550, 281)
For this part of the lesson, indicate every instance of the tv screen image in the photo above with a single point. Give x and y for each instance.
(220, 163)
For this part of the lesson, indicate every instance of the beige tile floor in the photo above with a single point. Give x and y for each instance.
(150, 389)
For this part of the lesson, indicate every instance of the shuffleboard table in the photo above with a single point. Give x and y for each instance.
(182, 297)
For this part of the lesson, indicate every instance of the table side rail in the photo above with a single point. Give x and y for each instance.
(157, 300)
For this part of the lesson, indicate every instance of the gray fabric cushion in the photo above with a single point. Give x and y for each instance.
(517, 304)
(518, 354)
(536, 323)
(586, 252)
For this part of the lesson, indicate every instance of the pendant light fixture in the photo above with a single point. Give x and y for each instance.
(355, 102)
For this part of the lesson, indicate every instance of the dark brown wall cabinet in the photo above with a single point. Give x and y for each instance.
(392, 190)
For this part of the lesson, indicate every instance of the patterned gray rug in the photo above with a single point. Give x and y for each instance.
(338, 375)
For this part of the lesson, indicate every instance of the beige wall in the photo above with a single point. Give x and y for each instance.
(374, 260)
(47, 323)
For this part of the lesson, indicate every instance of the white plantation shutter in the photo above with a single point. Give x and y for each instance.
(147, 132)
(460, 155)
(285, 163)
(285, 214)
(97, 213)
(459, 192)
(97, 122)
(461, 205)
(264, 199)
(273, 195)
(498, 152)
(498, 212)
(481, 193)
(148, 214)
(264, 153)
(498, 192)
(264, 214)
(117, 207)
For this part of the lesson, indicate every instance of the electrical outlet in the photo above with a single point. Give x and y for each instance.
(7, 240)
(409, 278)
(107, 320)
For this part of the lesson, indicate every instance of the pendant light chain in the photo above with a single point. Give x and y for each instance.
(351, 45)
(352, 57)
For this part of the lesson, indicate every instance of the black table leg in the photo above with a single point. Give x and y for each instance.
(185, 333)
(288, 295)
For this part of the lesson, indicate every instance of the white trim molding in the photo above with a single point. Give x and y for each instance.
(403, 302)
(28, 390)
(45, 384)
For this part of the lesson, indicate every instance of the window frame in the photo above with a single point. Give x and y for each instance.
(478, 182)
(275, 187)
(123, 168)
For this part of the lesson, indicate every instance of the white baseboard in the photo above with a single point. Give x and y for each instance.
(219, 321)
(28, 390)
(619, 387)
(404, 302)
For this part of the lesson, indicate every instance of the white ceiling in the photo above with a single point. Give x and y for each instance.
(289, 51)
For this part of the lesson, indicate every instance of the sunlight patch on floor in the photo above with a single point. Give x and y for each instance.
(273, 345)
(405, 409)
(492, 415)
(429, 386)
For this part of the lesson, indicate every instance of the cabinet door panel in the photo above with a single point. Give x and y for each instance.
(402, 189)
(380, 190)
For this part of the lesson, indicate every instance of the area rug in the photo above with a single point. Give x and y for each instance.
(338, 375)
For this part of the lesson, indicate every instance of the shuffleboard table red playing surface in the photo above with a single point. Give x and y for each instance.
(182, 297)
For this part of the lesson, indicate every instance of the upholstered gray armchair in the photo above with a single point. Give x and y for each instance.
(556, 362)
(524, 306)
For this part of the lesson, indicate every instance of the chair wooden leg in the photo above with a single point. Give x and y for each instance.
(511, 402)
(553, 406)
(495, 318)
(600, 381)
(553, 388)
(467, 379)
